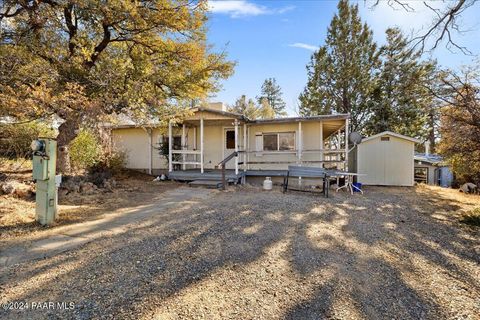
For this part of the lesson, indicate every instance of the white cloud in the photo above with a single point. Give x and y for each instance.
(242, 8)
(304, 46)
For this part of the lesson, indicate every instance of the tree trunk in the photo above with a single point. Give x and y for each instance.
(66, 133)
(431, 133)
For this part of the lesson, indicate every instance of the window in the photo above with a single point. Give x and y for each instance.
(270, 142)
(385, 138)
(279, 141)
(286, 141)
(421, 175)
(230, 139)
(177, 142)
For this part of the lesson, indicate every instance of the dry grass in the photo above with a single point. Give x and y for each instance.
(17, 216)
(472, 217)
(15, 165)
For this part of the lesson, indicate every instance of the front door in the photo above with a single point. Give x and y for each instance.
(229, 146)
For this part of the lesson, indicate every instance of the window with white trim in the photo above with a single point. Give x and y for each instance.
(279, 141)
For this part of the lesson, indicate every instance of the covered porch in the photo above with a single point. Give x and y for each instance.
(199, 144)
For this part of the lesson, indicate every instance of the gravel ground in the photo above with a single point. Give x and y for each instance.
(396, 253)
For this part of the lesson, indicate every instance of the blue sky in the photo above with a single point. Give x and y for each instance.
(276, 39)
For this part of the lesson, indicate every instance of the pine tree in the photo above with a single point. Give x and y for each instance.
(272, 92)
(341, 74)
(245, 107)
(401, 102)
(265, 110)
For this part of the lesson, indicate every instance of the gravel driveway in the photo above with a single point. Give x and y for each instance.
(248, 254)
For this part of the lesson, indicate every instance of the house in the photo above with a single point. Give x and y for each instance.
(210, 134)
(431, 169)
(386, 159)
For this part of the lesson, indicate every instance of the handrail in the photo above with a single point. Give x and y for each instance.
(222, 163)
(228, 158)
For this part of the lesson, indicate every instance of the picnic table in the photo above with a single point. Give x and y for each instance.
(348, 185)
(325, 175)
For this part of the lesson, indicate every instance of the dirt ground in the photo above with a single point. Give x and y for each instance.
(397, 253)
(17, 216)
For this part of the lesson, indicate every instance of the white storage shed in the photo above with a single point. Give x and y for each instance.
(386, 159)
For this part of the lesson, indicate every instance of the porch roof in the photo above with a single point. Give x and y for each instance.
(340, 116)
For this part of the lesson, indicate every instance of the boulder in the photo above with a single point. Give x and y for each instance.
(7, 188)
(23, 191)
(88, 188)
(469, 188)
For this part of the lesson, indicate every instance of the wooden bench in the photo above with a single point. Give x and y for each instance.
(307, 172)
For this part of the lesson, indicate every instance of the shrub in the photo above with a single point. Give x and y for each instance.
(472, 217)
(110, 164)
(15, 139)
(85, 150)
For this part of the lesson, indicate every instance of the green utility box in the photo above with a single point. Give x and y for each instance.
(44, 169)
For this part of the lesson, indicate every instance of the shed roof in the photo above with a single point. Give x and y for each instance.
(433, 159)
(393, 134)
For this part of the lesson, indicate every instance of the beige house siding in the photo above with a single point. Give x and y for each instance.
(143, 154)
(135, 143)
(386, 162)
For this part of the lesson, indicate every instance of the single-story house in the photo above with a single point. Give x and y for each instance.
(386, 159)
(265, 147)
(194, 147)
(431, 169)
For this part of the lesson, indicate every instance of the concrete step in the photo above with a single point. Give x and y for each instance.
(214, 184)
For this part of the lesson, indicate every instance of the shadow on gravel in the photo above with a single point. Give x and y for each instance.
(369, 241)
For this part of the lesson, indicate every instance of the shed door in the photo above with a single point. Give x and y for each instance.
(398, 162)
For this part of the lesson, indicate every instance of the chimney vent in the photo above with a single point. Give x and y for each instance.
(427, 148)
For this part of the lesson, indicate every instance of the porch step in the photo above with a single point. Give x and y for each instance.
(214, 184)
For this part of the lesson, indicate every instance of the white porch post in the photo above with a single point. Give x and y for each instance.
(201, 144)
(170, 164)
(245, 147)
(195, 144)
(321, 142)
(339, 138)
(300, 143)
(236, 146)
(248, 148)
(183, 147)
(150, 147)
(346, 143)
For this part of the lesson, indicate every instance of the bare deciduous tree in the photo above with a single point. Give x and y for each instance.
(446, 22)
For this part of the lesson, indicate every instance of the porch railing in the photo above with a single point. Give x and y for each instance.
(187, 152)
(223, 163)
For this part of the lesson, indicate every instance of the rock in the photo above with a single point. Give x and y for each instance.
(62, 192)
(72, 184)
(23, 191)
(88, 188)
(469, 188)
(7, 188)
(109, 184)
